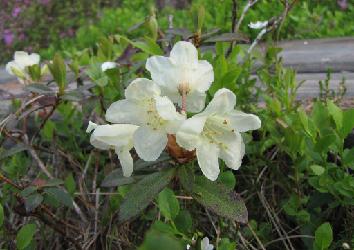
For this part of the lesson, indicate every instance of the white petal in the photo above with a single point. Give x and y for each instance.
(149, 143)
(188, 135)
(108, 65)
(207, 155)
(13, 66)
(34, 58)
(107, 136)
(224, 101)
(91, 126)
(163, 72)
(195, 101)
(124, 111)
(243, 122)
(184, 53)
(126, 160)
(202, 76)
(258, 25)
(24, 59)
(166, 109)
(233, 154)
(204, 244)
(142, 88)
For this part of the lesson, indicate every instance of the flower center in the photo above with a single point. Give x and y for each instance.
(216, 129)
(153, 119)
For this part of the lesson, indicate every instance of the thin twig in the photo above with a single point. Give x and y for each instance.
(256, 237)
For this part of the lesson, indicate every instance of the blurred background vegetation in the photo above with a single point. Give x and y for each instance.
(51, 25)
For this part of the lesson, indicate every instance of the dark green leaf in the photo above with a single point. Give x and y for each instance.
(60, 195)
(25, 236)
(168, 204)
(156, 240)
(14, 150)
(184, 222)
(217, 198)
(32, 201)
(28, 190)
(116, 178)
(53, 183)
(40, 89)
(143, 192)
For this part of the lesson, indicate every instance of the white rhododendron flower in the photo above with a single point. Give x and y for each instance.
(215, 133)
(118, 137)
(18, 66)
(108, 65)
(182, 73)
(258, 25)
(205, 245)
(155, 115)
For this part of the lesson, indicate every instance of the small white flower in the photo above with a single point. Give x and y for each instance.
(182, 71)
(18, 66)
(188, 246)
(258, 25)
(345, 245)
(118, 137)
(155, 115)
(205, 245)
(215, 133)
(108, 65)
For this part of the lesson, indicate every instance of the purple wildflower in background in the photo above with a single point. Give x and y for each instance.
(45, 2)
(16, 11)
(343, 4)
(8, 37)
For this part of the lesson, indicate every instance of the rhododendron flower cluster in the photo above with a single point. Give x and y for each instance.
(154, 110)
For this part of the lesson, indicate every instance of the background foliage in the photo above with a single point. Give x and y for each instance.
(296, 179)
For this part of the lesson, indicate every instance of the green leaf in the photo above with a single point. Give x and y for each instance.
(32, 201)
(48, 130)
(323, 236)
(53, 183)
(168, 204)
(25, 236)
(219, 199)
(143, 192)
(39, 89)
(317, 170)
(201, 17)
(336, 113)
(1, 215)
(157, 240)
(70, 184)
(14, 150)
(116, 178)
(60, 195)
(348, 122)
(28, 191)
(229, 79)
(225, 244)
(58, 70)
(148, 45)
(184, 222)
(228, 179)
